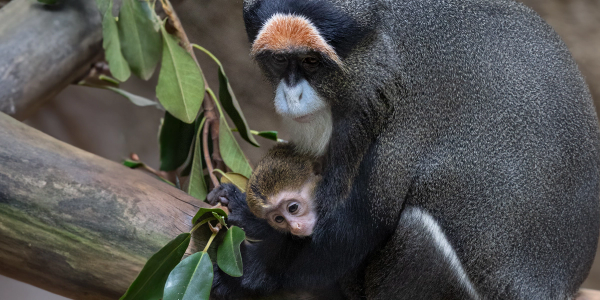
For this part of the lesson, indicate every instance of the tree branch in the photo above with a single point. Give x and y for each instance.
(43, 49)
(76, 224)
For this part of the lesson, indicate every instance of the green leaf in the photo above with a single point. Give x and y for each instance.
(190, 162)
(191, 279)
(239, 180)
(230, 103)
(203, 211)
(133, 164)
(109, 80)
(180, 86)
(231, 152)
(175, 140)
(150, 283)
(232, 107)
(229, 257)
(140, 42)
(135, 99)
(219, 218)
(103, 6)
(197, 186)
(271, 135)
(49, 2)
(112, 45)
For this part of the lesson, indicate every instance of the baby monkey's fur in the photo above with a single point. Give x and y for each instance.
(280, 171)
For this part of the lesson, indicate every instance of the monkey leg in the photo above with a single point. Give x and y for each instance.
(418, 262)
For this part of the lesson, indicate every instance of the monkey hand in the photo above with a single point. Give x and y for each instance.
(224, 194)
(239, 212)
(235, 201)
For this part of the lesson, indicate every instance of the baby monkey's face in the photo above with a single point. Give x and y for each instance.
(293, 210)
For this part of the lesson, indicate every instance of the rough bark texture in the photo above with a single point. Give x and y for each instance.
(43, 49)
(76, 224)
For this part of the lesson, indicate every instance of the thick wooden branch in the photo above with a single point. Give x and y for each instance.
(76, 224)
(43, 49)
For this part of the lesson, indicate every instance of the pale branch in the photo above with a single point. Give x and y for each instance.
(76, 224)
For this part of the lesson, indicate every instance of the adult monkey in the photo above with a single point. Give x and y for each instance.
(462, 156)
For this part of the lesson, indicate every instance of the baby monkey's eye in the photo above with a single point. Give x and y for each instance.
(293, 208)
(279, 219)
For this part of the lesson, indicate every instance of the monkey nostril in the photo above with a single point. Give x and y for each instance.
(300, 97)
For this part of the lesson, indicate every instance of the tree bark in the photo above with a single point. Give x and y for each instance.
(43, 49)
(76, 224)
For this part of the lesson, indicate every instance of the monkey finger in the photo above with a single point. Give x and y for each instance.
(214, 196)
(224, 200)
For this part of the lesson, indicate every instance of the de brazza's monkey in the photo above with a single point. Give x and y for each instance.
(461, 150)
(281, 192)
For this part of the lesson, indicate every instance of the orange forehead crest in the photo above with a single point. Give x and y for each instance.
(291, 32)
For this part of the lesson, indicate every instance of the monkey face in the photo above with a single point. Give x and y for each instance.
(292, 53)
(293, 211)
(295, 96)
(298, 45)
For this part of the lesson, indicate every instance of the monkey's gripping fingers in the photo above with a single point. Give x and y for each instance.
(217, 196)
(223, 194)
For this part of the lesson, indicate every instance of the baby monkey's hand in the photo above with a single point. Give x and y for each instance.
(227, 195)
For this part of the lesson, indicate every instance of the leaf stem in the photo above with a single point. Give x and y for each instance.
(212, 237)
(212, 95)
(202, 223)
(208, 53)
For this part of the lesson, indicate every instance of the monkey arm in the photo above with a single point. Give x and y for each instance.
(280, 261)
(341, 242)
(240, 214)
(267, 256)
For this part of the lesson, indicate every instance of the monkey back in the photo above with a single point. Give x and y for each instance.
(469, 117)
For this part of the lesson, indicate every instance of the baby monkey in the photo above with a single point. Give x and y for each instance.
(281, 190)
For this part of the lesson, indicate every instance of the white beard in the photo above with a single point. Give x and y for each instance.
(312, 137)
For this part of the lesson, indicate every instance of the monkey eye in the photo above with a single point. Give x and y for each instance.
(279, 219)
(279, 58)
(311, 63)
(293, 208)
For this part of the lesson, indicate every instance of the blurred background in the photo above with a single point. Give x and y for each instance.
(108, 125)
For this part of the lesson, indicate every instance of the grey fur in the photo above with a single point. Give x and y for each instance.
(474, 112)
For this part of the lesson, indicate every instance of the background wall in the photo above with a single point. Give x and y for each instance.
(105, 124)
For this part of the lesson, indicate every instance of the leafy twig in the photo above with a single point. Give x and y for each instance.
(160, 174)
(212, 118)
